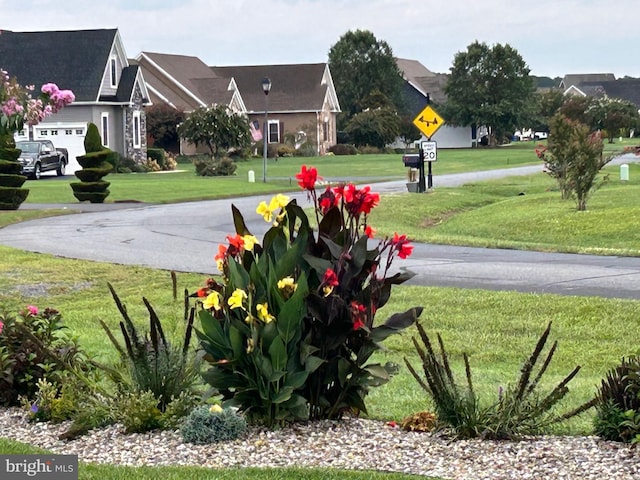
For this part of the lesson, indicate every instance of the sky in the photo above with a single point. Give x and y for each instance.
(554, 37)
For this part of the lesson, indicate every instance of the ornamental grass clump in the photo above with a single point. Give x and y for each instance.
(617, 403)
(289, 330)
(519, 410)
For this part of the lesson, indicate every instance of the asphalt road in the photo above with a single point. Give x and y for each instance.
(184, 237)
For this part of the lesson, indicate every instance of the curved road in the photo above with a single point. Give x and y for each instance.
(184, 237)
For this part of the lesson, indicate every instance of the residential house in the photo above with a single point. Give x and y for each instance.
(109, 91)
(578, 78)
(301, 105)
(423, 87)
(603, 85)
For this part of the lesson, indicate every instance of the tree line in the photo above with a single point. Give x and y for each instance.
(488, 86)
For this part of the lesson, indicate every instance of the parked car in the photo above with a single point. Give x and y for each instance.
(540, 135)
(41, 156)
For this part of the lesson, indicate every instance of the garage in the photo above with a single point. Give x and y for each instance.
(64, 135)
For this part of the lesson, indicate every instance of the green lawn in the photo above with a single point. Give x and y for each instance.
(184, 185)
(497, 329)
(523, 212)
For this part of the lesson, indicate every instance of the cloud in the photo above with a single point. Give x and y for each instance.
(553, 37)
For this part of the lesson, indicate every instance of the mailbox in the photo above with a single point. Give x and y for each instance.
(411, 160)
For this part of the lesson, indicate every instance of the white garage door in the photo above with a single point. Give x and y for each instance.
(64, 135)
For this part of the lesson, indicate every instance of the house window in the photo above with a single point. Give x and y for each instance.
(136, 129)
(325, 131)
(104, 122)
(43, 133)
(54, 132)
(274, 131)
(113, 72)
(68, 132)
(79, 131)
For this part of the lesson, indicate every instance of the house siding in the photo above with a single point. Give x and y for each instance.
(137, 154)
(105, 87)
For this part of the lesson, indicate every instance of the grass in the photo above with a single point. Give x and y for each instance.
(523, 213)
(184, 185)
(110, 472)
(497, 329)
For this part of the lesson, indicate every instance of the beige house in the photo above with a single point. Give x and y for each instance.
(302, 103)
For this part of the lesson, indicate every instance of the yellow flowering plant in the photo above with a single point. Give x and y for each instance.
(289, 330)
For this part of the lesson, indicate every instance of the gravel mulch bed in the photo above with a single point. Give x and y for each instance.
(350, 444)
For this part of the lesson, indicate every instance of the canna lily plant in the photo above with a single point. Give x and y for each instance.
(290, 329)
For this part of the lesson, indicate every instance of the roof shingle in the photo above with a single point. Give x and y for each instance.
(74, 60)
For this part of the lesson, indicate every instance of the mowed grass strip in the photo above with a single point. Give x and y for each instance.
(497, 329)
(184, 185)
(524, 212)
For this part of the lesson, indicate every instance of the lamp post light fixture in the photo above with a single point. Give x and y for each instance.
(266, 86)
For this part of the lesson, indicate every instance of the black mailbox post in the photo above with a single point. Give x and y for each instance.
(416, 160)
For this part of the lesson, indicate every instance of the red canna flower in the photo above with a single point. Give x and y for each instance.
(202, 292)
(330, 278)
(358, 315)
(401, 245)
(359, 201)
(307, 178)
(369, 231)
(235, 241)
(329, 281)
(327, 200)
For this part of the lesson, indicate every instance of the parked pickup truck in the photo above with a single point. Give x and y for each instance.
(41, 156)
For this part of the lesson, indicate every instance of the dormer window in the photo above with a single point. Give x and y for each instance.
(113, 72)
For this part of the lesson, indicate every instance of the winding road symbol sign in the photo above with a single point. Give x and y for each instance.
(428, 121)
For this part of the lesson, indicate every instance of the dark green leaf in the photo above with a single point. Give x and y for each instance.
(238, 221)
(395, 323)
(278, 354)
(283, 395)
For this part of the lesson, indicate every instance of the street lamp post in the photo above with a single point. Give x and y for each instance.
(266, 86)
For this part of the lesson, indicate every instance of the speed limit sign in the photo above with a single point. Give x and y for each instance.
(430, 150)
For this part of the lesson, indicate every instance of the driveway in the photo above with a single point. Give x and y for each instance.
(184, 237)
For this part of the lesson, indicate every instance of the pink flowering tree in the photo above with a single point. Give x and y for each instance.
(290, 329)
(18, 107)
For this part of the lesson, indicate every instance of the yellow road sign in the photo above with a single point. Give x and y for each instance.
(428, 121)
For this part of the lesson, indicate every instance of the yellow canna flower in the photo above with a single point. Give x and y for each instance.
(327, 289)
(264, 210)
(279, 201)
(236, 298)
(250, 345)
(212, 301)
(220, 265)
(287, 283)
(215, 409)
(263, 313)
(249, 242)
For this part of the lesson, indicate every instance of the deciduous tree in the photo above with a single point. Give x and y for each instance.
(216, 127)
(162, 125)
(574, 158)
(489, 86)
(613, 115)
(361, 64)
